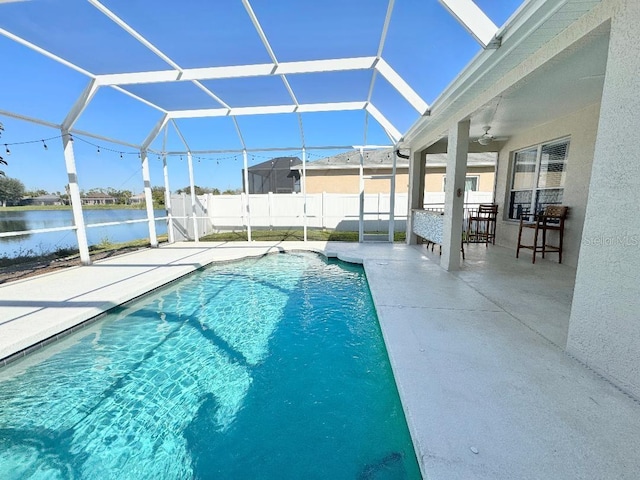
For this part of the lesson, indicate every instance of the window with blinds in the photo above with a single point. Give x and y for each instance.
(471, 184)
(537, 178)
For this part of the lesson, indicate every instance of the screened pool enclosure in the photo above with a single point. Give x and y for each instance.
(177, 95)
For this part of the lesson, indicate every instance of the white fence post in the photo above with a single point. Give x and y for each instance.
(304, 193)
(378, 229)
(167, 199)
(193, 198)
(322, 211)
(246, 193)
(361, 212)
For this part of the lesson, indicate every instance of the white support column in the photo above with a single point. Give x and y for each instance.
(361, 217)
(192, 188)
(74, 198)
(604, 328)
(148, 199)
(392, 201)
(246, 193)
(304, 193)
(167, 200)
(167, 191)
(416, 193)
(457, 151)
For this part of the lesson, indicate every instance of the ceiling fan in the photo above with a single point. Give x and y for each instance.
(486, 138)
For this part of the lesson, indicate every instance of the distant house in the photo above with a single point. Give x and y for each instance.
(341, 173)
(137, 199)
(277, 175)
(42, 200)
(98, 198)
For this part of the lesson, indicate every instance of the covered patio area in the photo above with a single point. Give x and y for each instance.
(559, 107)
(538, 296)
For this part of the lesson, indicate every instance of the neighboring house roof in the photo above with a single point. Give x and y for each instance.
(278, 163)
(372, 158)
(97, 195)
(484, 159)
(45, 198)
(384, 159)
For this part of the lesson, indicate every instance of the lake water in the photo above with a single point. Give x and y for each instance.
(41, 243)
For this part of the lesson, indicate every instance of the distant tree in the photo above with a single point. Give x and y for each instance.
(11, 191)
(198, 190)
(157, 193)
(65, 196)
(35, 193)
(215, 191)
(231, 191)
(2, 160)
(121, 196)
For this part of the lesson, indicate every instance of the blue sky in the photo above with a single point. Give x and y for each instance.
(425, 45)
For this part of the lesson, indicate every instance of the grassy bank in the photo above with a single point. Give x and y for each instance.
(291, 235)
(107, 247)
(72, 253)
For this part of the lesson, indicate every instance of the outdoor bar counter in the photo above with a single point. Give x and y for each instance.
(428, 225)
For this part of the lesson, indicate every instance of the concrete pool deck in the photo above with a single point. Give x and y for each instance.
(488, 391)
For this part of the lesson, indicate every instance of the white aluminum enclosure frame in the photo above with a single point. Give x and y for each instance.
(465, 11)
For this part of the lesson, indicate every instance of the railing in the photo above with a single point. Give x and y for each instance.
(470, 210)
(39, 230)
(53, 244)
(21, 233)
(215, 214)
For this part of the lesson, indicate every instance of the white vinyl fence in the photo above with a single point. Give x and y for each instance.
(333, 211)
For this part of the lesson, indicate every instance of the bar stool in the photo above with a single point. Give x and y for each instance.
(485, 224)
(552, 219)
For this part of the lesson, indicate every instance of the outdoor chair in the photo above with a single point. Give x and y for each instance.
(430, 243)
(552, 219)
(482, 225)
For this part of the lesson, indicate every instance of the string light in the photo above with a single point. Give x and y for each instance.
(71, 139)
(99, 149)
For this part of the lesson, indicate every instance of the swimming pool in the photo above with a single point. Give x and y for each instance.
(266, 368)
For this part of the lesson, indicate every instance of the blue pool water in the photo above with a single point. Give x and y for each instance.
(269, 368)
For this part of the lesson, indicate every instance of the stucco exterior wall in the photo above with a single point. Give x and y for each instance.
(604, 330)
(581, 127)
(434, 178)
(347, 181)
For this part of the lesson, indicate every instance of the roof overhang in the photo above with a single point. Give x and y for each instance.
(552, 54)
